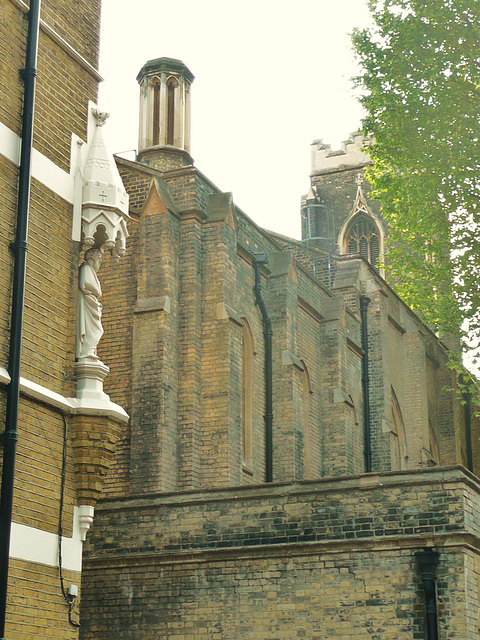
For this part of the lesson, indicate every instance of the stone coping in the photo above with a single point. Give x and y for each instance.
(411, 509)
(388, 544)
(365, 482)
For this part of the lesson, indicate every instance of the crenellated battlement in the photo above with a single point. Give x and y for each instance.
(350, 155)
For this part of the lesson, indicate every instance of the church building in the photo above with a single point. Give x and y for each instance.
(210, 431)
(295, 464)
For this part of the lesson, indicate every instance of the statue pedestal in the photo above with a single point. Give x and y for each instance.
(91, 373)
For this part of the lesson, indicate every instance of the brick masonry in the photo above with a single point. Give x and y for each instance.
(36, 607)
(320, 559)
(188, 541)
(185, 523)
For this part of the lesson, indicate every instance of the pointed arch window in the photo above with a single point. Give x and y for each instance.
(398, 449)
(363, 237)
(247, 394)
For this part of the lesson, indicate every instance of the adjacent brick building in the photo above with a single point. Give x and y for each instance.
(374, 459)
(65, 439)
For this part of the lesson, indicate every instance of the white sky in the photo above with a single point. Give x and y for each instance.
(270, 77)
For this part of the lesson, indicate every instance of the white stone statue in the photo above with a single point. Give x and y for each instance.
(89, 309)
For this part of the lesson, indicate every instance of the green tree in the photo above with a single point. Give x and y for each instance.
(421, 94)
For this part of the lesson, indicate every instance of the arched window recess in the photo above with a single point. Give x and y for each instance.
(248, 351)
(433, 445)
(398, 444)
(362, 233)
(307, 422)
(155, 85)
(172, 84)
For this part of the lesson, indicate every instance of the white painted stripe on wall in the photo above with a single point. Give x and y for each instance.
(49, 174)
(34, 545)
(38, 392)
(43, 169)
(9, 144)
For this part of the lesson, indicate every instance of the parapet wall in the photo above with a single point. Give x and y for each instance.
(350, 155)
(330, 559)
(355, 507)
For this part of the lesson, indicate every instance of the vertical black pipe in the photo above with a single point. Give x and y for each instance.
(367, 449)
(427, 561)
(467, 407)
(19, 248)
(261, 259)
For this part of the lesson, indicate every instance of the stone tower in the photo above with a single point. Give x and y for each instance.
(337, 213)
(164, 131)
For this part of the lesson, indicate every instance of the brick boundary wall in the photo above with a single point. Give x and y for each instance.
(332, 558)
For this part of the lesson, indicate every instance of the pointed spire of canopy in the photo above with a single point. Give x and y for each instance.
(104, 199)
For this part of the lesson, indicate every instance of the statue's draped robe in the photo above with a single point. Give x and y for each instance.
(89, 312)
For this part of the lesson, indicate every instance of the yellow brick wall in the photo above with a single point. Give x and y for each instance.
(35, 607)
(38, 469)
(12, 59)
(50, 294)
(78, 23)
(336, 596)
(8, 184)
(35, 604)
(327, 560)
(118, 302)
(62, 95)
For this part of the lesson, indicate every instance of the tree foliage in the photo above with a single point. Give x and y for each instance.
(421, 93)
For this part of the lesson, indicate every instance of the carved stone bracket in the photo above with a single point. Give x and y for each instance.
(85, 519)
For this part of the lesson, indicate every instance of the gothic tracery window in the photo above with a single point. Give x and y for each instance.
(363, 237)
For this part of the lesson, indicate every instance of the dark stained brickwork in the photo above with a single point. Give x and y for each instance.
(188, 542)
(318, 559)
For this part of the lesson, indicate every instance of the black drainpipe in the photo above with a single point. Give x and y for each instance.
(427, 561)
(364, 302)
(467, 407)
(19, 248)
(260, 259)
